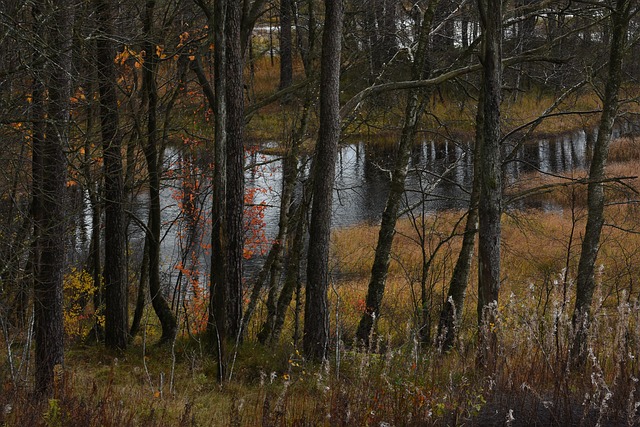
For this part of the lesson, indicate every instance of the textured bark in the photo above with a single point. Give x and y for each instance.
(490, 203)
(49, 347)
(235, 169)
(286, 60)
(116, 301)
(158, 301)
(217, 308)
(382, 256)
(585, 285)
(316, 314)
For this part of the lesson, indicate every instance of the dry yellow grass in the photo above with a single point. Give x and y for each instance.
(537, 247)
(624, 149)
(570, 189)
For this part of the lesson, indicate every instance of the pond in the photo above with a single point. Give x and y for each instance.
(440, 176)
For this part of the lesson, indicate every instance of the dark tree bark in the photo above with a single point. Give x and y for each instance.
(490, 203)
(50, 218)
(585, 285)
(306, 44)
(235, 168)
(142, 289)
(387, 23)
(116, 301)
(216, 326)
(380, 26)
(286, 59)
(444, 37)
(158, 301)
(386, 234)
(316, 314)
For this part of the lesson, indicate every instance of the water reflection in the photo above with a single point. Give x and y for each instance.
(361, 186)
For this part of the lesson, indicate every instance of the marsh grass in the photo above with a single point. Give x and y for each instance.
(396, 380)
(570, 189)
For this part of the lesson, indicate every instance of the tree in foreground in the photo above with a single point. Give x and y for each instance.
(490, 202)
(116, 307)
(585, 285)
(316, 307)
(49, 194)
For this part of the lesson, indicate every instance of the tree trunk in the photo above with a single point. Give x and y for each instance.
(316, 315)
(388, 38)
(289, 177)
(142, 289)
(292, 277)
(452, 310)
(235, 169)
(115, 291)
(386, 234)
(217, 309)
(50, 193)
(158, 301)
(286, 60)
(490, 203)
(595, 191)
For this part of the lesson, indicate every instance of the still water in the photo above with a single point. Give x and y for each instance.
(440, 177)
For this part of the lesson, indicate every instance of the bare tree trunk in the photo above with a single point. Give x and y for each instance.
(235, 168)
(94, 190)
(316, 314)
(142, 289)
(217, 306)
(452, 310)
(388, 37)
(595, 191)
(382, 257)
(286, 60)
(158, 301)
(292, 277)
(289, 176)
(490, 204)
(116, 301)
(51, 215)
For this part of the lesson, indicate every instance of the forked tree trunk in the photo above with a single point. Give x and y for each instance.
(288, 218)
(452, 309)
(158, 301)
(292, 276)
